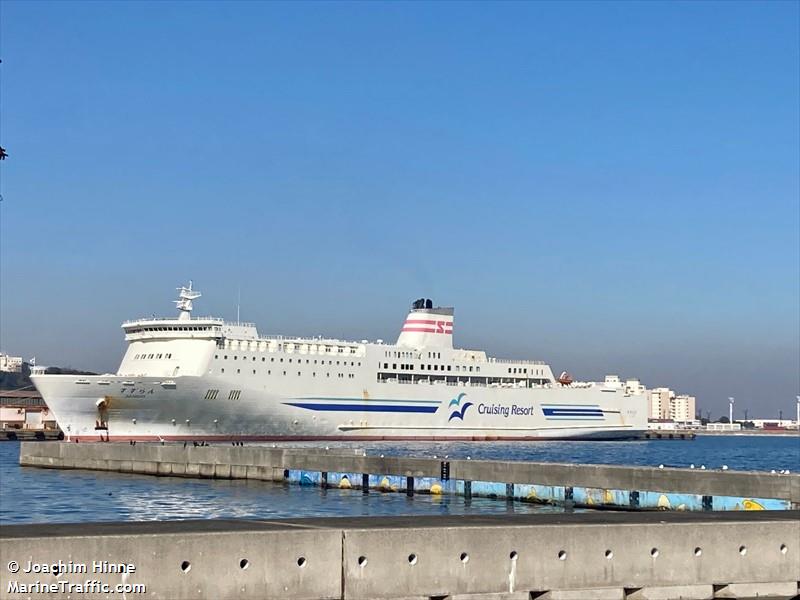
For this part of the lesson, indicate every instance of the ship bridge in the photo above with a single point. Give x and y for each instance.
(201, 328)
(177, 346)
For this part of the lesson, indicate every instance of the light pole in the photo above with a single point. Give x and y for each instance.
(798, 414)
(731, 400)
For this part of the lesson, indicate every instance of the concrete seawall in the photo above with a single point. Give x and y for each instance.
(588, 485)
(578, 555)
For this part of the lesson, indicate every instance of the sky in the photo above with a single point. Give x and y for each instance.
(609, 187)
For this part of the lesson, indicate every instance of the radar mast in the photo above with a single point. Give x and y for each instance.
(184, 302)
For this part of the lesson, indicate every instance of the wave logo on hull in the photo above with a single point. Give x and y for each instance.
(460, 409)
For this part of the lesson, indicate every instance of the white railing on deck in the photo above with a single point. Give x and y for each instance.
(515, 362)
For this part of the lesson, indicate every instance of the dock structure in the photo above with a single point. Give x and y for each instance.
(606, 555)
(595, 486)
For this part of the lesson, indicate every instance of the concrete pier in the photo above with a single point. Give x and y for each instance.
(580, 555)
(595, 486)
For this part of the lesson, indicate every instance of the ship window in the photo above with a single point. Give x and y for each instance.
(225, 357)
(158, 355)
(269, 372)
(222, 370)
(298, 373)
(478, 369)
(385, 365)
(290, 360)
(470, 369)
(254, 371)
(281, 360)
(254, 359)
(272, 359)
(359, 364)
(448, 367)
(284, 372)
(238, 370)
(394, 366)
(235, 358)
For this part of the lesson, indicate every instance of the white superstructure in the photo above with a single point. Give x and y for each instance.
(206, 379)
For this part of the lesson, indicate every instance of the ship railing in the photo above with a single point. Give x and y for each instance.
(309, 340)
(510, 361)
(174, 319)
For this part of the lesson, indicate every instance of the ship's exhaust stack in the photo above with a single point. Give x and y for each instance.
(427, 326)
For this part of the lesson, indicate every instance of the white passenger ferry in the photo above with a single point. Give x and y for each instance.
(206, 379)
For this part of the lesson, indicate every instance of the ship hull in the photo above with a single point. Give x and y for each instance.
(207, 408)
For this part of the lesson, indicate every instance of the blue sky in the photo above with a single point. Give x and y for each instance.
(611, 187)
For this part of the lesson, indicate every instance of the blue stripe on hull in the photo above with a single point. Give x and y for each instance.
(363, 407)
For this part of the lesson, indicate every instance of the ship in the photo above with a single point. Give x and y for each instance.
(206, 379)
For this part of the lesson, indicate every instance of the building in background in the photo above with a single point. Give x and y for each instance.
(773, 423)
(682, 408)
(634, 387)
(24, 409)
(10, 364)
(659, 402)
(724, 427)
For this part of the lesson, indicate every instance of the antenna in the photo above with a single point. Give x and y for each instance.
(184, 301)
(238, 304)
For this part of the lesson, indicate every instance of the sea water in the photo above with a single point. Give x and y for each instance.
(33, 495)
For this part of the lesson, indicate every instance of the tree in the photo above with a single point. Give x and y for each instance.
(723, 419)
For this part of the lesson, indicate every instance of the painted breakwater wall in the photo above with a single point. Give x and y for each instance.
(545, 556)
(597, 486)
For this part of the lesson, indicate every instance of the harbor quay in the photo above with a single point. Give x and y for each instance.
(592, 486)
(594, 554)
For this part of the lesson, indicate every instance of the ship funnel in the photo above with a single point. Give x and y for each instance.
(427, 326)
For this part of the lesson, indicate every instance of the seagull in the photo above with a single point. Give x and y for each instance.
(660, 466)
(772, 471)
(724, 467)
(703, 467)
(691, 466)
